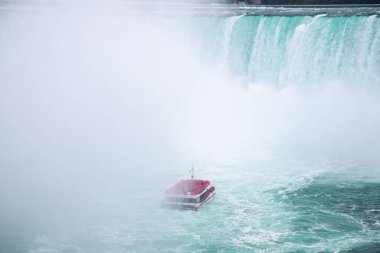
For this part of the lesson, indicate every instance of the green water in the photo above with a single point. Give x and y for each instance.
(300, 50)
(101, 113)
(258, 208)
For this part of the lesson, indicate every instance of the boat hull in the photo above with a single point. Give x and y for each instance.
(187, 206)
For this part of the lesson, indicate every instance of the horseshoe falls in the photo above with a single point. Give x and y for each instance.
(299, 50)
(104, 106)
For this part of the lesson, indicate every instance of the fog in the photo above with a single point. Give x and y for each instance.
(93, 101)
(98, 100)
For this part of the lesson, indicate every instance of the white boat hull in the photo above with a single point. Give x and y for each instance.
(187, 206)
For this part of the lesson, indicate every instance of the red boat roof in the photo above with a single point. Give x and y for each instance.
(189, 187)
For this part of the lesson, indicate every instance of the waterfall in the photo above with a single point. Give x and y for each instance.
(105, 104)
(300, 50)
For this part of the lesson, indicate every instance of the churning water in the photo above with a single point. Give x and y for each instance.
(104, 106)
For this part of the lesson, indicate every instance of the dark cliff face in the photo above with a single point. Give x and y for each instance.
(310, 2)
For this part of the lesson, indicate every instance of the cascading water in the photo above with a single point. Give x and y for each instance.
(298, 50)
(103, 108)
(313, 85)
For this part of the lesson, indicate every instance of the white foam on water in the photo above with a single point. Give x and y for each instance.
(102, 111)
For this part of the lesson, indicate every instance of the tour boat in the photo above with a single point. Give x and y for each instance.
(189, 194)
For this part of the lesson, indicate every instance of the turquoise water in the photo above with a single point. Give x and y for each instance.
(274, 48)
(103, 108)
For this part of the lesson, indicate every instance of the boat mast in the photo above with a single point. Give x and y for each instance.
(192, 172)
